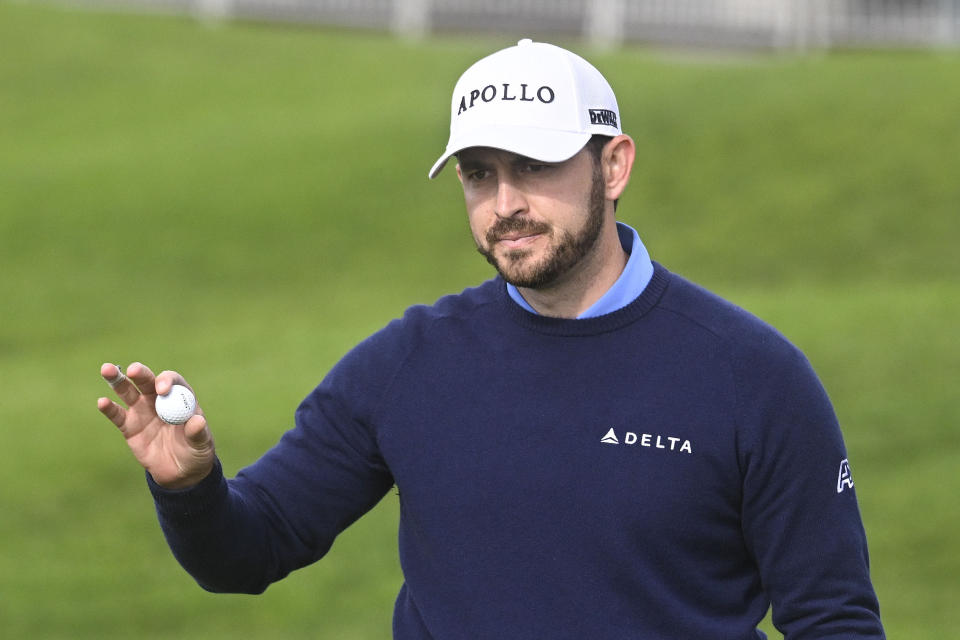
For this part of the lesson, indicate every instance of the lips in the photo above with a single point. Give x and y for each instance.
(517, 240)
(515, 233)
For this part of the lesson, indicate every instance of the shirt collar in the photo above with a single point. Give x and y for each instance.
(631, 283)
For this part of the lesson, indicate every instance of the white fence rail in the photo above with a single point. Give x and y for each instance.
(776, 24)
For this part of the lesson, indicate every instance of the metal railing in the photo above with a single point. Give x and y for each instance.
(772, 24)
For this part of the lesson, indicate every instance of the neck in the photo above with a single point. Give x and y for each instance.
(577, 290)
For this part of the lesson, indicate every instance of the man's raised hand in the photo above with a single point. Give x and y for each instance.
(176, 456)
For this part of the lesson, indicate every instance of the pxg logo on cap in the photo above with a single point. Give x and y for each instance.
(534, 99)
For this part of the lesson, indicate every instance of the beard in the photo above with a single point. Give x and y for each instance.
(566, 248)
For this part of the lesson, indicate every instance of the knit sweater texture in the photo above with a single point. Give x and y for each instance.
(664, 471)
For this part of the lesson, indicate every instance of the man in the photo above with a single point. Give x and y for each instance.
(586, 446)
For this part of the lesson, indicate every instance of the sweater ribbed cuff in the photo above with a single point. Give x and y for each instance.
(176, 504)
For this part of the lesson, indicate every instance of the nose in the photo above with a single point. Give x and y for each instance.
(510, 199)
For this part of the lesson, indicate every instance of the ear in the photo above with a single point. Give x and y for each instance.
(617, 162)
(459, 174)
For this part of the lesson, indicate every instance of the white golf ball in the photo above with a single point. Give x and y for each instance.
(177, 406)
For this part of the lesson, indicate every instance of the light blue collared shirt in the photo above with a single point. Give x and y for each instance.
(631, 283)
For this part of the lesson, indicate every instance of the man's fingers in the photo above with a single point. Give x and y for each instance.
(114, 412)
(166, 379)
(141, 376)
(121, 384)
(196, 432)
(139, 380)
(112, 374)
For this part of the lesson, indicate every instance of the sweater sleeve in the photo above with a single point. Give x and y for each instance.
(800, 515)
(284, 511)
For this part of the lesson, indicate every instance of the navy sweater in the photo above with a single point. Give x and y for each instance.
(664, 471)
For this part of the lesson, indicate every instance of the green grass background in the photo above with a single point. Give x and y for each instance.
(245, 202)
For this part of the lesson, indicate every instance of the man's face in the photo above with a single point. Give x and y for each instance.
(533, 221)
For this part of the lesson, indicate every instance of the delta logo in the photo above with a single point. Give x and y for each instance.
(649, 440)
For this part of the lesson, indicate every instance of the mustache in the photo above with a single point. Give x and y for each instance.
(506, 226)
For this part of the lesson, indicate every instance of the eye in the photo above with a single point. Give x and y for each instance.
(476, 175)
(535, 167)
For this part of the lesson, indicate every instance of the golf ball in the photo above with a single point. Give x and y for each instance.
(177, 406)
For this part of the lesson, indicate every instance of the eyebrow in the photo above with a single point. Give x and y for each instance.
(470, 164)
(517, 160)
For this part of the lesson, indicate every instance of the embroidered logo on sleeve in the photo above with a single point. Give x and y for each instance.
(844, 478)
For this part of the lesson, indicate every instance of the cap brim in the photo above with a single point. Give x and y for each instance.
(546, 145)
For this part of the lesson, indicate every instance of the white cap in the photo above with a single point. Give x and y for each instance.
(534, 99)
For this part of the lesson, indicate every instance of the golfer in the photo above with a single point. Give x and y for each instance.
(585, 446)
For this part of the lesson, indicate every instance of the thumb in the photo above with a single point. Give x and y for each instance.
(196, 432)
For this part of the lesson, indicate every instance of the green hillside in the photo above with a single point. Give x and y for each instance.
(244, 202)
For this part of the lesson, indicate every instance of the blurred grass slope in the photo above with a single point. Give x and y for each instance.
(245, 202)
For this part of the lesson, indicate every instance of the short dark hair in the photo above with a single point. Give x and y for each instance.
(595, 146)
